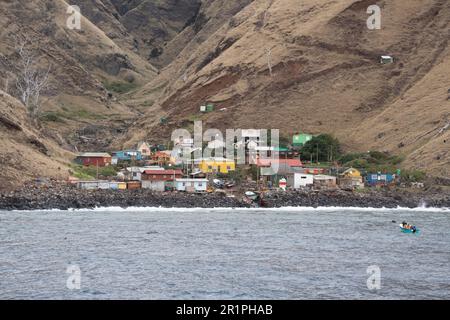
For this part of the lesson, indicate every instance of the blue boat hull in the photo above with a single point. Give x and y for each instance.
(409, 230)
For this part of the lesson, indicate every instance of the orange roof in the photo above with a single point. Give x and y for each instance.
(286, 162)
(161, 154)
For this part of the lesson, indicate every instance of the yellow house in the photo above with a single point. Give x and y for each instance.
(351, 173)
(351, 179)
(216, 165)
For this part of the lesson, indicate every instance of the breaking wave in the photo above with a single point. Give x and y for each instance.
(422, 208)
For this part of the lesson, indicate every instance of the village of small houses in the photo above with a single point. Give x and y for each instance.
(153, 167)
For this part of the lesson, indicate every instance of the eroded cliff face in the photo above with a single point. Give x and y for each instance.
(309, 66)
(88, 67)
(314, 66)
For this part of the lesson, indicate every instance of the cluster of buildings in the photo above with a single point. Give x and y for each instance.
(154, 168)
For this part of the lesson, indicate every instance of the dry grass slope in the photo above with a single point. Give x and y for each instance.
(326, 76)
(25, 154)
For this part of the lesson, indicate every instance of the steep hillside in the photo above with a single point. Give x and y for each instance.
(85, 65)
(309, 65)
(25, 153)
(324, 76)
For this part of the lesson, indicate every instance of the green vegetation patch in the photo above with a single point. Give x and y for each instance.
(74, 112)
(373, 161)
(413, 175)
(322, 148)
(120, 87)
(51, 116)
(90, 173)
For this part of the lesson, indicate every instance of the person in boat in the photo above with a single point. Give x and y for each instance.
(406, 225)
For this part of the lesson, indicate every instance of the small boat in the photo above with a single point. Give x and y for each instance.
(218, 183)
(251, 195)
(405, 230)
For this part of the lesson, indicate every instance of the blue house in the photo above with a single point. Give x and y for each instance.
(379, 179)
(127, 155)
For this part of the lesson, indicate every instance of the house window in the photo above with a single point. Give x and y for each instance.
(200, 184)
(210, 168)
(228, 168)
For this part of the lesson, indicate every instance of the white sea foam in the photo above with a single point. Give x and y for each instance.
(283, 209)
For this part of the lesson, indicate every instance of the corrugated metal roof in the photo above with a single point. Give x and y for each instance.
(192, 180)
(288, 162)
(323, 177)
(163, 172)
(95, 155)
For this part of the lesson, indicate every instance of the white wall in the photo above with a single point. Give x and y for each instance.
(198, 185)
(154, 185)
(302, 180)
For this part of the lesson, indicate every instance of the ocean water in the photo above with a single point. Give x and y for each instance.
(289, 253)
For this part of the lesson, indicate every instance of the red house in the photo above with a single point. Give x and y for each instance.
(293, 163)
(162, 175)
(159, 180)
(94, 159)
(270, 167)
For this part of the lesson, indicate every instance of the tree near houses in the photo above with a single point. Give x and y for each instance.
(323, 147)
(31, 80)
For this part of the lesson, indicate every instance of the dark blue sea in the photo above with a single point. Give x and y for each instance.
(325, 253)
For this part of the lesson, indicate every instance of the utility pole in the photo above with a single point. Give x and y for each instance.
(317, 153)
(331, 156)
(257, 176)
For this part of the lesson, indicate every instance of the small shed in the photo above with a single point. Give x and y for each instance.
(380, 179)
(93, 185)
(163, 120)
(300, 180)
(94, 159)
(351, 173)
(157, 180)
(117, 185)
(300, 139)
(207, 108)
(133, 185)
(154, 185)
(191, 185)
(386, 60)
(351, 179)
(128, 155)
(144, 148)
(324, 181)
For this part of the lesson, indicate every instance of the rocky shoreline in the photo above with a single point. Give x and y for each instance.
(64, 197)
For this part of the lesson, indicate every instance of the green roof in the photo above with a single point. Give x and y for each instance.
(281, 149)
